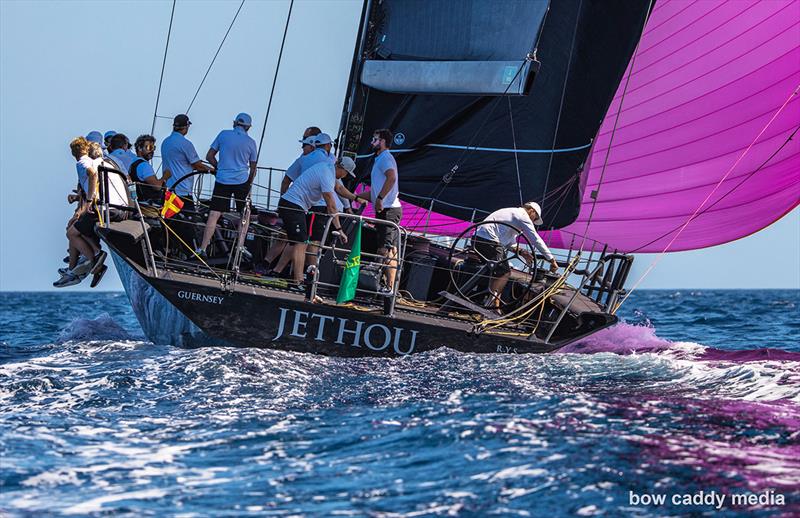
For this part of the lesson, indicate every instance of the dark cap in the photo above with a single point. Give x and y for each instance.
(181, 120)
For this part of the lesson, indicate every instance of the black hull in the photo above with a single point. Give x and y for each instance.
(186, 308)
(249, 317)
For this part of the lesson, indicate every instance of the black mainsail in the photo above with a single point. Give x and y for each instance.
(492, 103)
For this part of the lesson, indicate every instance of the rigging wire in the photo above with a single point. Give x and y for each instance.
(274, 80)
(516, 156)
(708, 197)
(215, 56)
(163, 66)
(596, 192)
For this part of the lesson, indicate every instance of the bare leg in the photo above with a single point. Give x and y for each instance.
(298, 261)
(286, 257)
(83, 246)
(311, 256)
(496, 287)
(275, 251)
(391, 262)
(211, 225)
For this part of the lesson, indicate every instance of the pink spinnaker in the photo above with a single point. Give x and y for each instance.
(707, 78)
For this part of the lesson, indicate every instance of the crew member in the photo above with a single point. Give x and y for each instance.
(492, 240)
(236, 170)
(107, 138)
(318, 181)
(310, 156)
(79, 263)
(384, 193)
(307, 146)
(118, 146)
(148, 185)
(179, 158)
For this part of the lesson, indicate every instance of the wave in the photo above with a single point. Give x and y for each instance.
(85, 330)
(625, 338)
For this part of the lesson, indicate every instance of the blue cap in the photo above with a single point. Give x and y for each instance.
(108, 134)
(243, 119)
(95, 136)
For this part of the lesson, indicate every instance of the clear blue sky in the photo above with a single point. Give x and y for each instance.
(67, 68)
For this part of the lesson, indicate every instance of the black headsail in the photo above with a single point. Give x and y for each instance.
(463, 83)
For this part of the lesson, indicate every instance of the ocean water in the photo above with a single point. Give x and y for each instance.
(696, 395)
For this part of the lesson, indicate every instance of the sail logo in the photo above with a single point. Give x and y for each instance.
(200, 297)
(399, 139)
(509, 73)
(345, 331)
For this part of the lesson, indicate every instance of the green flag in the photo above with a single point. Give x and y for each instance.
(347, 288)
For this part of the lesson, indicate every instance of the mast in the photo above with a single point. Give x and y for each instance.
(355, 68)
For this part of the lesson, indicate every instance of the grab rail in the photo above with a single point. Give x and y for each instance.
(401, 238)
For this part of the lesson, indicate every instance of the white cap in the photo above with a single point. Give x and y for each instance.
(347, 164)
(243, 119)
(322, 139)
(535, 206)
(308, 141)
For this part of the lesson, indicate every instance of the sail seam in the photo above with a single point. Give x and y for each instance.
(700, 209)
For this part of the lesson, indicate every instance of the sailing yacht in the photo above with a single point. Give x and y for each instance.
(492, 104)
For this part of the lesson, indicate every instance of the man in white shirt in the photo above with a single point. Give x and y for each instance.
(384, 194)
(499, 232)
(307, 146)
(319, 181)
(179, 158)
(236, 170)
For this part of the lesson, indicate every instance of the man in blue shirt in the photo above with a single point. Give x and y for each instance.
(236, 170)
(118, 146)
(179, 158)
(148, 185)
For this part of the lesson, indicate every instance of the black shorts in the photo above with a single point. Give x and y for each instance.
(316, 219)
(221, 197)
(494, 252)
(85, 224)
(387, 234)
(294, 221)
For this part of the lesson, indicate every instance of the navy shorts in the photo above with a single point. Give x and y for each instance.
(294, 221)
(494, 252)
(221, 197)
(320, 219)
(387, 234)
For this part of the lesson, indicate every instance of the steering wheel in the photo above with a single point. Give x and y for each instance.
(474, 286)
